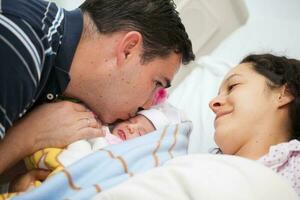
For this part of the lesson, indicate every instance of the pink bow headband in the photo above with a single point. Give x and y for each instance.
(160, 96)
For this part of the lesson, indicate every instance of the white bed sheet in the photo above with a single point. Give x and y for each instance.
(208, 177)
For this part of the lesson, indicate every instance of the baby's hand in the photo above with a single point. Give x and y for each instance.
(27, 181)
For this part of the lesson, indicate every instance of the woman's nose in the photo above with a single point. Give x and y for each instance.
(215, 104)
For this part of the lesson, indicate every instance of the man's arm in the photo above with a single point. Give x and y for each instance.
(49, 125)
(8, 159)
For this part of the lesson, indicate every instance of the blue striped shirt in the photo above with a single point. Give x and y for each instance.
(37, 44)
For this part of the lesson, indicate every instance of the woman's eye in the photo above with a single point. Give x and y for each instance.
(230, 87)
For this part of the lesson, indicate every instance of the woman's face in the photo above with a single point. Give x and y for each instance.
(132, 128)
(243, 107)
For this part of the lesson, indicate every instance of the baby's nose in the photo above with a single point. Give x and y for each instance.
(132, 128)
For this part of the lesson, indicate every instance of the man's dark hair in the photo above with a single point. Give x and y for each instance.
(280, 71)
(157, 21)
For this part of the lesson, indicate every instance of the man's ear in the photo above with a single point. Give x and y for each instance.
(285, 97)
(128, 46)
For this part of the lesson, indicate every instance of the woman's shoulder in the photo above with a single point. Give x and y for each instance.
(284, 159)
(282, 154)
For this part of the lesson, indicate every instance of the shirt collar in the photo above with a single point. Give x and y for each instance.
(73, 26)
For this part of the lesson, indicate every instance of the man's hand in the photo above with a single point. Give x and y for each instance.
(49, 125)
(59, 124)
(25, 181)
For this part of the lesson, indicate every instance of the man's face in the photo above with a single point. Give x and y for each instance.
(125, 89)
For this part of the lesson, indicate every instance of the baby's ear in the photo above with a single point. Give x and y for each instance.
(285, 96)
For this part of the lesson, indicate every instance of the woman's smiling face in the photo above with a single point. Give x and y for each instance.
(242, 108)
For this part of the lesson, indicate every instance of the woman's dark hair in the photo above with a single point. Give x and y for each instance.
(156, 20)
(281, 71)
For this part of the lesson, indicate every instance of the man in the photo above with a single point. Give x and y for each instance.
(112, 55)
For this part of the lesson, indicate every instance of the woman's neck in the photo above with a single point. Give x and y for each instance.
(260, 144)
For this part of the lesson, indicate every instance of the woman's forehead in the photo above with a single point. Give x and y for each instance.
(240, 69)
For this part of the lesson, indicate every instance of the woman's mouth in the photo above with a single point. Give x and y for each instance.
(122, 134)
(220, 114)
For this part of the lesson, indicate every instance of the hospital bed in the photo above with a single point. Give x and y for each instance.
(273, 26)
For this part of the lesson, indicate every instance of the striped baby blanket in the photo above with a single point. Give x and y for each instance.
(113, 165)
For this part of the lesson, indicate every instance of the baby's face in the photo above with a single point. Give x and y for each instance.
(134, 127)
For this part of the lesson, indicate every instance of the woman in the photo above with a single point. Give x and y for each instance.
(258, 113)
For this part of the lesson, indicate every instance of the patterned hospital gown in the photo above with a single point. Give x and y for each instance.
(284, 159)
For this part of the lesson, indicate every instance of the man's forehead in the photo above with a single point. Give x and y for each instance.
(166, 68)
(172, 67)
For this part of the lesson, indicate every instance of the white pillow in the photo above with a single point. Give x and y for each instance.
(193, 96)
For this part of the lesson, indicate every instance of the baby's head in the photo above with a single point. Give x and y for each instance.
(146, 121)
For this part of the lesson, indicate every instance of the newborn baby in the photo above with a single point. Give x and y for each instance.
(146, 121)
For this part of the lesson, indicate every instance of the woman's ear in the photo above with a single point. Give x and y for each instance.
(285, 97)
(129, 46)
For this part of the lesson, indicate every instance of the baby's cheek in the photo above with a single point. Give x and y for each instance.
(134, 135)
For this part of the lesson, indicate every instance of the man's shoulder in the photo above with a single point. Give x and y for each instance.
(38, 14)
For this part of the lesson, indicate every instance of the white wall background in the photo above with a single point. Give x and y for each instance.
(281, 9)
(68, 4)
(273, 26)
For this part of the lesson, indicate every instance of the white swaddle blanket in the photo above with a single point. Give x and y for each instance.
(82, 148)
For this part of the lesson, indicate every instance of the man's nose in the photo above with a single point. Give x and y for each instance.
(147, 104)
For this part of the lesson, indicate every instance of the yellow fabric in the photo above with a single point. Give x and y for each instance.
(7, 196)
(44, 159)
